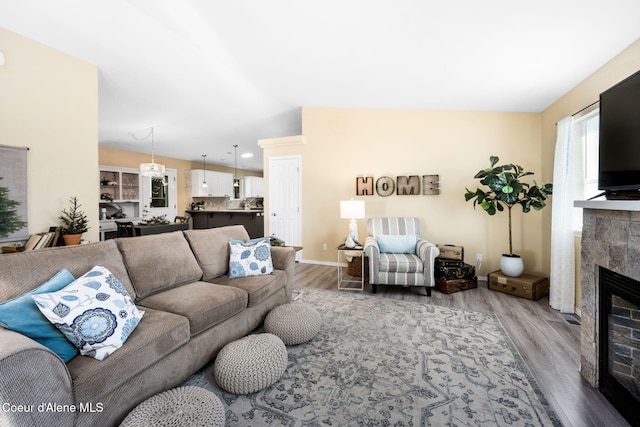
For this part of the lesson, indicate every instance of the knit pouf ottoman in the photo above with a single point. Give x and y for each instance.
(295, 323)
(181, 406)
(250, 364)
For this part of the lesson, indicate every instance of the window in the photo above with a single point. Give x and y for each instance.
(586, 134)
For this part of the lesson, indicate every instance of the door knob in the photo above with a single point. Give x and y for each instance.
(274, 214)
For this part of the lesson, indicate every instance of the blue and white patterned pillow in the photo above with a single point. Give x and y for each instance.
(95, 312)
(250, 258)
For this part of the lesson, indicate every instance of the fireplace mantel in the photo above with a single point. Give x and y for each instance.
(609, 205)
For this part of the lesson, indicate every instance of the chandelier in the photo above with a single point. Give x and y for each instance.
(153, 169)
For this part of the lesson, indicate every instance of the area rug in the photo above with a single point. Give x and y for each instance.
(384, 362)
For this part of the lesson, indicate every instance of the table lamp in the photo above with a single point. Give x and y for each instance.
(352, 210)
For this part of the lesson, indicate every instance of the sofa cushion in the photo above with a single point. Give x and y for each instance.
(21, 314)
(204, 304)
(95, 312)
(149, 275)
(211, 248)
(250, 258)
(158, 334)
(259, 288)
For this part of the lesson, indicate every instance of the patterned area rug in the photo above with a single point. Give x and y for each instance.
(384, 362)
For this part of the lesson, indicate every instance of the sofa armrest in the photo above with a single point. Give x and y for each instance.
(428, 252)
(32, 378)
(284, 258)
(372, 250)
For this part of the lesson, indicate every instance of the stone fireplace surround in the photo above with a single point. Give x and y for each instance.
(611, 239)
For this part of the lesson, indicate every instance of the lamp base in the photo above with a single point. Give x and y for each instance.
(350, 243)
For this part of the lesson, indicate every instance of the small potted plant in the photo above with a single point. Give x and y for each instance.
(73, 223)
(507, 189)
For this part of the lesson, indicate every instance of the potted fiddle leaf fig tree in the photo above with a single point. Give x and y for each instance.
(506, 188)
(73, 223)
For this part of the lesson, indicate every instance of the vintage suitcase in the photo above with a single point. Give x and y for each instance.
(451, 286)
(525, 286)
(451, 252)
(449, 269)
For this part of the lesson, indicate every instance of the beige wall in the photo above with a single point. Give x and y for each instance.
(344, 143)
(587, 92)
(49, 103)
(130, 159)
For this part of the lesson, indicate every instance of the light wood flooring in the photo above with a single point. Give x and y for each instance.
(548, 343)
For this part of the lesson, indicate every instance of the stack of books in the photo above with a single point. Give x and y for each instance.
(36, 241)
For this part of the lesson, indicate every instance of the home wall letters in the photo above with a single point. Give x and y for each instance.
(402, 186)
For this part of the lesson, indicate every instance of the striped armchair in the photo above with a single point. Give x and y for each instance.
(392, 258)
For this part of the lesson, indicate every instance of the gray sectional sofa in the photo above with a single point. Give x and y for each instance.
(192, 309)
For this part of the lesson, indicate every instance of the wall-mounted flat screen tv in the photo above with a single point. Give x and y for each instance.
(619, 152)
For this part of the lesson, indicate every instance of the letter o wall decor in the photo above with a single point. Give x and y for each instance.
(385, 186)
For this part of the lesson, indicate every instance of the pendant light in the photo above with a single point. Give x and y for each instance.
(236, 180)
(204, 174)
(153, 169)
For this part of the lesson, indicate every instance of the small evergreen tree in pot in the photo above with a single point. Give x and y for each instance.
(507, 189)
(74, 221)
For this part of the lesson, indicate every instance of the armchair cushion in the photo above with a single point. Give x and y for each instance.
(400, 263)
(397, 243)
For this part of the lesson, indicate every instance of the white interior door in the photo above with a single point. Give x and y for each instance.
(160, 200)
(285, 200)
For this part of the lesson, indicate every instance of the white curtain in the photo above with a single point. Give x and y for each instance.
(562, 280)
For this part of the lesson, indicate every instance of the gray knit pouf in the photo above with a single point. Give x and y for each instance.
(181, 406)
(295, 323)
(250, 364)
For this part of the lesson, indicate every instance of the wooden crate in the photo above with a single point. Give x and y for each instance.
(456, 285)
(526, 286)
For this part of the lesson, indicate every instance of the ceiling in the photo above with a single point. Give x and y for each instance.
(208, 74)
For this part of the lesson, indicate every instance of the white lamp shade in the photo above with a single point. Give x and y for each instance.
(352, 209)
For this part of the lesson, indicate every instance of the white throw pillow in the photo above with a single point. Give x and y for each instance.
(250, 258)
(95, 312)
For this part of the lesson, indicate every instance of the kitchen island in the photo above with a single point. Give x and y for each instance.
(253, 220)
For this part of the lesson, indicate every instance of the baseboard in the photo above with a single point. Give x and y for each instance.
(311, 261)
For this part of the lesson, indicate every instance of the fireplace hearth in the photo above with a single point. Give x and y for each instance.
(611, 244)
(619, 332)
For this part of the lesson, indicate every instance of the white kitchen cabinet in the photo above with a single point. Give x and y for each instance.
(225, 184)
(253, 186)
(119, 184)
(219, 184)
(197, 176)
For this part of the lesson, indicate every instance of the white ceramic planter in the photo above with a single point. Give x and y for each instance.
(511, 266)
